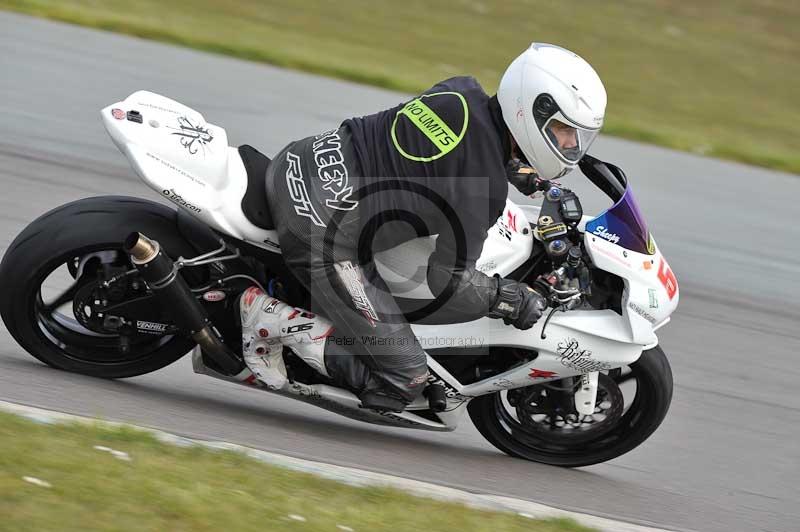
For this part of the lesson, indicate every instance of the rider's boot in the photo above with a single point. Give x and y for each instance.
(374, 392)
(268, 325)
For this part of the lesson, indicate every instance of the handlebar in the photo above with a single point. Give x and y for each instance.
(560, 290)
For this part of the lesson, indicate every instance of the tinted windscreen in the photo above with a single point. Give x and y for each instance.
(623, 224)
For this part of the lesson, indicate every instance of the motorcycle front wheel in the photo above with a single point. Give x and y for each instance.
(531, 423)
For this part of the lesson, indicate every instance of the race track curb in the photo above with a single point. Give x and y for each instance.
(353, 476)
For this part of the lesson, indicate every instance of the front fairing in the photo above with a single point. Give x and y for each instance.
(618, 241)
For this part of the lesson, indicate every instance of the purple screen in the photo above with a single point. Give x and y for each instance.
(622, 224)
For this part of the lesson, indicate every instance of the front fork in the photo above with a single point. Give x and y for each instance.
(586, 395)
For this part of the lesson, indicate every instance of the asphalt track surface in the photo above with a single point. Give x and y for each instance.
(726, 458)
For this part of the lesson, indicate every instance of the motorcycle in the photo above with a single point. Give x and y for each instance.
(143, 284)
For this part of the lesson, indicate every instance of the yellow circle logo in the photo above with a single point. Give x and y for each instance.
(436, 130)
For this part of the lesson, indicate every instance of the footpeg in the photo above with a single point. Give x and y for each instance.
(437, 400)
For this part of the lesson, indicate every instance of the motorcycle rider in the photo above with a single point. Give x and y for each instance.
(438, 164)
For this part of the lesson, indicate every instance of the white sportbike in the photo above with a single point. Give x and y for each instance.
(117, 286)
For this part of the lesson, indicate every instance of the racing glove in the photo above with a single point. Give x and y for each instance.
(522, 176)
(517, 304)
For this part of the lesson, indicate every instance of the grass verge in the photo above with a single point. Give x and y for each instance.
(715, 78)
(165, 487)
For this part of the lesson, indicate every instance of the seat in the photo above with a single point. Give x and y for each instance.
(254, 202)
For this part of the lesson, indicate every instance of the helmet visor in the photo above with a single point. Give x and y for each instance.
(568, 140)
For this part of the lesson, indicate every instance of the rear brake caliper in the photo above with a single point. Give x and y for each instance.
(116, 302)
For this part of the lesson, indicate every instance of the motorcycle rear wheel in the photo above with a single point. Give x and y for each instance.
(85, 227)
(653, 376)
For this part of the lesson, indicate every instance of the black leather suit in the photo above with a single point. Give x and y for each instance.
(432, 166)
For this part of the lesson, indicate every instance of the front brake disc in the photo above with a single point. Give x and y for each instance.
(543, 415)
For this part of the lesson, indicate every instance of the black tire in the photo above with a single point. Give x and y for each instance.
(80, 227)
(646, 412)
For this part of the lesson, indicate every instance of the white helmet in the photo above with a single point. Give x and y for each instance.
(553, 103)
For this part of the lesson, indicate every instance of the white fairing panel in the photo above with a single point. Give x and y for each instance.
(575, 342)
(186, 160)
(651, 290)
(508, 244)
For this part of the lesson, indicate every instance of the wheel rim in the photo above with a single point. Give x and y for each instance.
(529, 434)
(58, 326)
(540, 412)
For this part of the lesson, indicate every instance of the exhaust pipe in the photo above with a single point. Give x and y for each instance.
(141, 249)
(170, 289)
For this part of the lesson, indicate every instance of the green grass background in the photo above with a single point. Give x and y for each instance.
(169, 488)
(713, 77)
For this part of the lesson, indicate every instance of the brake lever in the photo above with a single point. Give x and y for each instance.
(546, 321)
(571, 304)
(562, 300)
